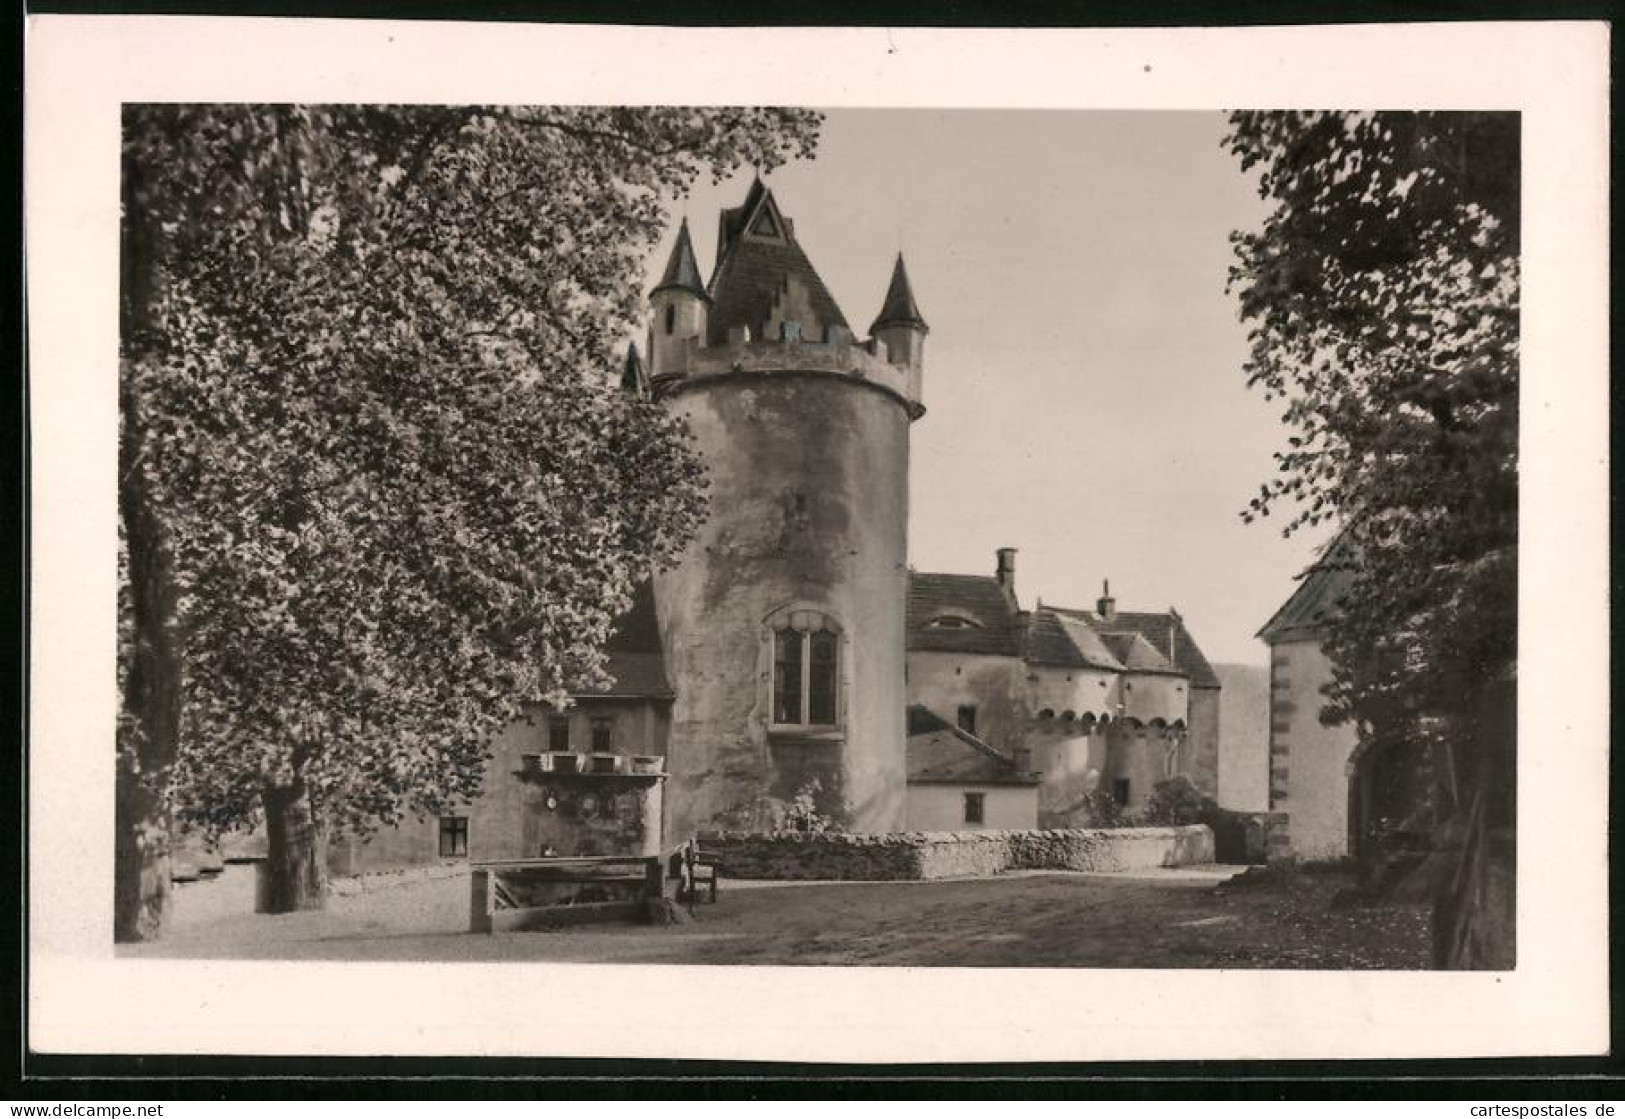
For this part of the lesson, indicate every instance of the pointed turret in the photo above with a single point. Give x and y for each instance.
(680, 304)
(899, 309)
(633, 381)
(682, 270)
(901, 327)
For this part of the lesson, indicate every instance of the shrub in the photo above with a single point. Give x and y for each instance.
(1178, 800)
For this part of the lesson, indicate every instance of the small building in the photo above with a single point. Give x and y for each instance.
(1310, 763)
(957, 782)
(615, 736)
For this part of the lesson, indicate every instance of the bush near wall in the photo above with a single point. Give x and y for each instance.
(1248, 837)
(916, 856)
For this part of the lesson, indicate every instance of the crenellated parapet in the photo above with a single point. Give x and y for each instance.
(839, 355)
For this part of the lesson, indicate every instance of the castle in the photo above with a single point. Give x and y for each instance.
(792, 649)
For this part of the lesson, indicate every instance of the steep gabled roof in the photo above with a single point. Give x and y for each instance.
(1160, 629)
(997, 628)
(1061, 642)
(1136, 653)
(758, 257)
(682, 270)
(939, 752)
(637, 664)
(899, 308)
(1315, 601)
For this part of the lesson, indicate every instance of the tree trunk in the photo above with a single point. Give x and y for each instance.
(1475, 897)
(148, 734)
(295, 873)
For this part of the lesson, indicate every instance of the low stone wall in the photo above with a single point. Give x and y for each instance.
(914, 856)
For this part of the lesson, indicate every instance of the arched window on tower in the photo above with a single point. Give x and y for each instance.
(806, 669)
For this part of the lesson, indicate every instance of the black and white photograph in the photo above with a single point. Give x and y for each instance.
(816, 538)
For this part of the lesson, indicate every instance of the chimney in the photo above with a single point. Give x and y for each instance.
(1106, 606)
(1006, 571)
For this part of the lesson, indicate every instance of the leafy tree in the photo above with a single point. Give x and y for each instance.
(1382, 299)
(377, 486)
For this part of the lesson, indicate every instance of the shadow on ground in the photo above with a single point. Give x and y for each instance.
(1285, 920)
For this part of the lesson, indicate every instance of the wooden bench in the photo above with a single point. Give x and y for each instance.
(489, 896)
(703, 872)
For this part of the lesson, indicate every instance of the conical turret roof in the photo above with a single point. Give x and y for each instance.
(682, 270)
(899, 308)
(632, 379)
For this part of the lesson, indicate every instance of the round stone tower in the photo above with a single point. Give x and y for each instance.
(783, 623)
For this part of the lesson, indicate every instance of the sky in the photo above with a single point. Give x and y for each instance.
(1083, 374)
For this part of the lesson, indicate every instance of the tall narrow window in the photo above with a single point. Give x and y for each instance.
(975, 804)
(787, 663)
(1120, 790)
(603, 734)
(671, 318)
(821, 678)
(806, 670)
(967, 718)
(558, 733)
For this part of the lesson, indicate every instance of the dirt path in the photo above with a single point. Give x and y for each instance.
(1032, 920)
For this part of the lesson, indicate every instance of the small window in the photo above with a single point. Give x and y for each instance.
(974, 807)
(603, 734)
(967, 718)
(558, 733)
(453, 837)
(671, 318)
(954, 621)
(1120, 791)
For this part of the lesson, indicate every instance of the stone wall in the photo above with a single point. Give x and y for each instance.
(914, 856)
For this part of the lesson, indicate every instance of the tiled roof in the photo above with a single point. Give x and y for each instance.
(637, 664)
(752, 272)
(1314, 602)
(938, 751)
(1062, 642)
(1136, 653)
(978, 597)
(1156, 628)
(899, 307)
(682, 270)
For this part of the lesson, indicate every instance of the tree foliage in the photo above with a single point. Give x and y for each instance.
(367, 400)
(1382, 300)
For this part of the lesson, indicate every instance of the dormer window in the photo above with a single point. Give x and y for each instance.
(954, 621)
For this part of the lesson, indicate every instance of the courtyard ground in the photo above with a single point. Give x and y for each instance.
(1197, 917)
